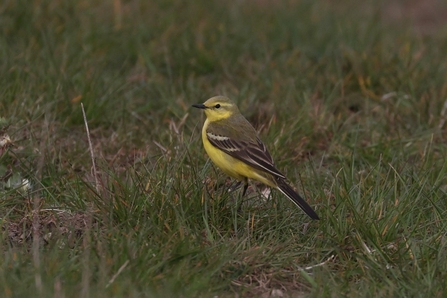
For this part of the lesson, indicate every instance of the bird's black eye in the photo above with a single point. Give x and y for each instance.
(217, 106)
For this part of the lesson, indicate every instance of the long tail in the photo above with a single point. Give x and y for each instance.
(288, 191)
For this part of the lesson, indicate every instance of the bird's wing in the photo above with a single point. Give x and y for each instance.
(248, 149)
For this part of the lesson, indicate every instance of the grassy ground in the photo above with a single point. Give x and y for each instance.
(351, 103)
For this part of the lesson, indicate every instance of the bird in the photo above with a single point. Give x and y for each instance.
(234, 146)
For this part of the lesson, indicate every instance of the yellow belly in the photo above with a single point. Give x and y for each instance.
(232, 166)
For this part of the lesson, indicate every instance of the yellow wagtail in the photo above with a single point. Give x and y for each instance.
(234, 146)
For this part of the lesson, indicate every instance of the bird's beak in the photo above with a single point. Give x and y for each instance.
(200, 106)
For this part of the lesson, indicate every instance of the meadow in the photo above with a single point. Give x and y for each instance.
(351, 102)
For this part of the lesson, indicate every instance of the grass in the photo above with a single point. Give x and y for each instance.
(351, 104)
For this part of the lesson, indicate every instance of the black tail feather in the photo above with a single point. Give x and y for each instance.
(288, 191)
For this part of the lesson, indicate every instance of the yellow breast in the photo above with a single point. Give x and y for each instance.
(230, 165)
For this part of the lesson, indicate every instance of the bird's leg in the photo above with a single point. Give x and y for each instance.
(239, 205)
(245, 188)
(235, 186)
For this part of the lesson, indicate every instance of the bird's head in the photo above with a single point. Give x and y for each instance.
(218, 108)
